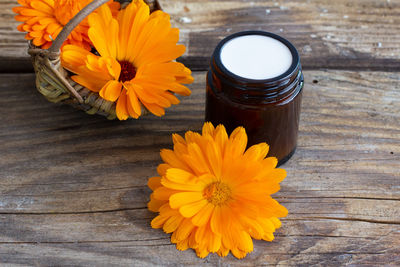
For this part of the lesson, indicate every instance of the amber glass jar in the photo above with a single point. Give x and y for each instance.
(269, 109)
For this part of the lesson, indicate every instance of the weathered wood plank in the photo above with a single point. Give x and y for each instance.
(72, 186)
(360, 34)
(124, 238)
(13, 46)
(349, 126)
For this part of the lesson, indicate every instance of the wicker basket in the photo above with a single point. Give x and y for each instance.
(55, 83)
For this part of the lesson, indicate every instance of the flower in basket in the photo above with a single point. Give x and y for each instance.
(213, 196)
(43, 20)
(134, 64)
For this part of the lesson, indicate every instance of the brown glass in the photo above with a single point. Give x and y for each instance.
(268, 109)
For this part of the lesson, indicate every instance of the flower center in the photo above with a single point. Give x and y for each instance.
(217, 193)
(128, 71)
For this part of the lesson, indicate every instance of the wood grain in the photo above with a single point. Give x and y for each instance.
(73, 186)
(13, 47)
(360, 34)
(342, 34)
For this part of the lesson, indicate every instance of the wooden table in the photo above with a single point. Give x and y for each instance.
(73, 186)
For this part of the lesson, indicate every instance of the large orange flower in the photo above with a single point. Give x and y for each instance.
(43, 20)
(213, 196)
(135, 65)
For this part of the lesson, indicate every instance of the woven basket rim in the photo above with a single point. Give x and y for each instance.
(54, 81)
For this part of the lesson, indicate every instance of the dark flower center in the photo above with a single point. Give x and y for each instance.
(128, 71)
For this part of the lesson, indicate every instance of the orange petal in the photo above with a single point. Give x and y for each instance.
(154, 108)
(154, 182)
(184, 198)
(111, 91)
(132, 97)
(203, 216)
(172, 224)
(192, 208)
(184, 229)
(121, 108)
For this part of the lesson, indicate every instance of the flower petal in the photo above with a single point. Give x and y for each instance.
(154, 182)
(111, 91)
(180, 199)
(121, 108)
(192, 208)
(203, 216)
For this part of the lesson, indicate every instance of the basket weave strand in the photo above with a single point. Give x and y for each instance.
(55, 83)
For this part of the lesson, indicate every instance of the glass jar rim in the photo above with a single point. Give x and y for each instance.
(290, 71)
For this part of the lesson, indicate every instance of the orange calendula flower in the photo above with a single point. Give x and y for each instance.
(213, 196)
(43, 20)
(135, 66)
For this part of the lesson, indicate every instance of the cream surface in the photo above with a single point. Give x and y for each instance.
(256, 57)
